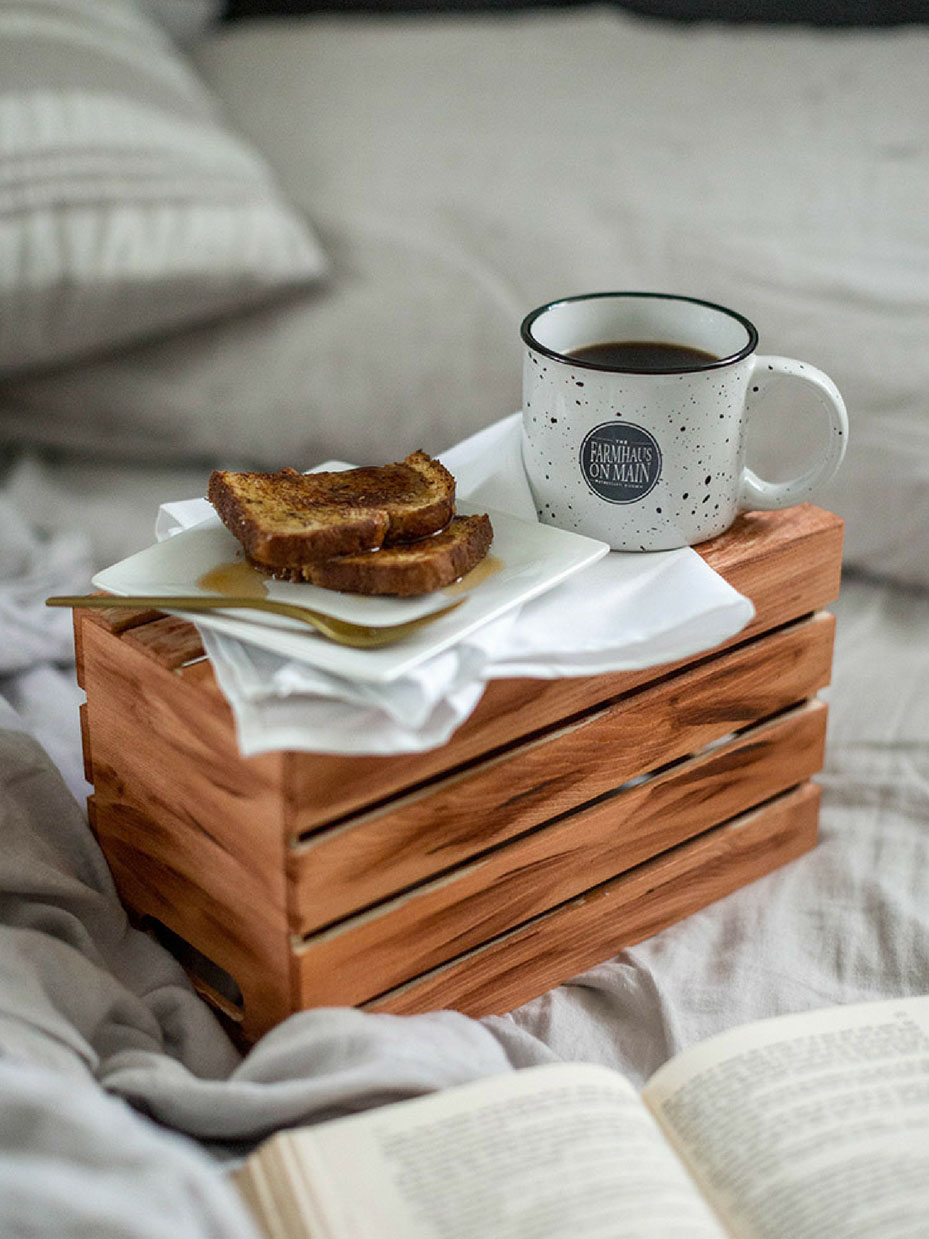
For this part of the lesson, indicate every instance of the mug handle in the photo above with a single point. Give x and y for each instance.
(754, 492)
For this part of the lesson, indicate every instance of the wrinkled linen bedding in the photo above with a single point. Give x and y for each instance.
(121, 1098)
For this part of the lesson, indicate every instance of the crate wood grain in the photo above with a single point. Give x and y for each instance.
(567, 940)
(283, 869)
(431, 830)
(416, 931)
(194, 835)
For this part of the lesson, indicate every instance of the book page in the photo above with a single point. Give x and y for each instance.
(544, 1153)
(808, 1125)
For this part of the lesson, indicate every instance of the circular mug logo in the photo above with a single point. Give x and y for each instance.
(620, 462)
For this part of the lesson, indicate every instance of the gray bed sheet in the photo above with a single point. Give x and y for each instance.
(121, 1098)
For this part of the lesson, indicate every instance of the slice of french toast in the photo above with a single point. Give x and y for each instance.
(287, 520)
(411, 568)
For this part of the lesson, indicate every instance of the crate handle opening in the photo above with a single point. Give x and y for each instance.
(210, 980)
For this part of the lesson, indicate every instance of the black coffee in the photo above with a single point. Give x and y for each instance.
(642, 355)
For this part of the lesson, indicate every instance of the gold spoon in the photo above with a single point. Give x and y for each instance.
(344, 632)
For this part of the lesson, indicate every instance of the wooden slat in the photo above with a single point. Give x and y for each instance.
(193, 832)
(156, 866)
(114, 620)
(408, 935)
(501, 975)
(151, 728)
(781, 560)
(200, 675)
(375, 855)
(170, 641)
(85, 744)
(787, 562)
(77, 625)
(118, 619)
(173, 641)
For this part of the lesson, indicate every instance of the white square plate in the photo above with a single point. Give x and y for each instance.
(528, 558)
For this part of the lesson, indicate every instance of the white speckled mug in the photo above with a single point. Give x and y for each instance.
(649, 454)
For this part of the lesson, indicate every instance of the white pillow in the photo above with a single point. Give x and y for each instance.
(126, 206)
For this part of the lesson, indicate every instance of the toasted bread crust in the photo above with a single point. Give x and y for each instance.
(411, 568)
(287, 519)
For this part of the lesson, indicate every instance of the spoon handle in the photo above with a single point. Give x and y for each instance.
(345, 632)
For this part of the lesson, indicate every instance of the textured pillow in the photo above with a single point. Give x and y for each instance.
(126, 207)
(812, 12)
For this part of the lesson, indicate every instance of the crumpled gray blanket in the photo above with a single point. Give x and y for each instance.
(94, 1014)
(120, 1095)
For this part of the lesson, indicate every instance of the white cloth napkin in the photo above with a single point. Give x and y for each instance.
(625, 612)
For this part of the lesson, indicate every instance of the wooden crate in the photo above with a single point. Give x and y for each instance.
(565, 819)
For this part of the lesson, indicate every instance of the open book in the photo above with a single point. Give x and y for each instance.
(805, 1125)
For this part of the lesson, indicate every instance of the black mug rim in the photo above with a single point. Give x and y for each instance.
(525, 330)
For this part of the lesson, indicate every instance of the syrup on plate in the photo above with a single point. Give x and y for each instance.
(236, 579)
(487, 567)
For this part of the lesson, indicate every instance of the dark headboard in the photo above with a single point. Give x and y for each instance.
(812, 12)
